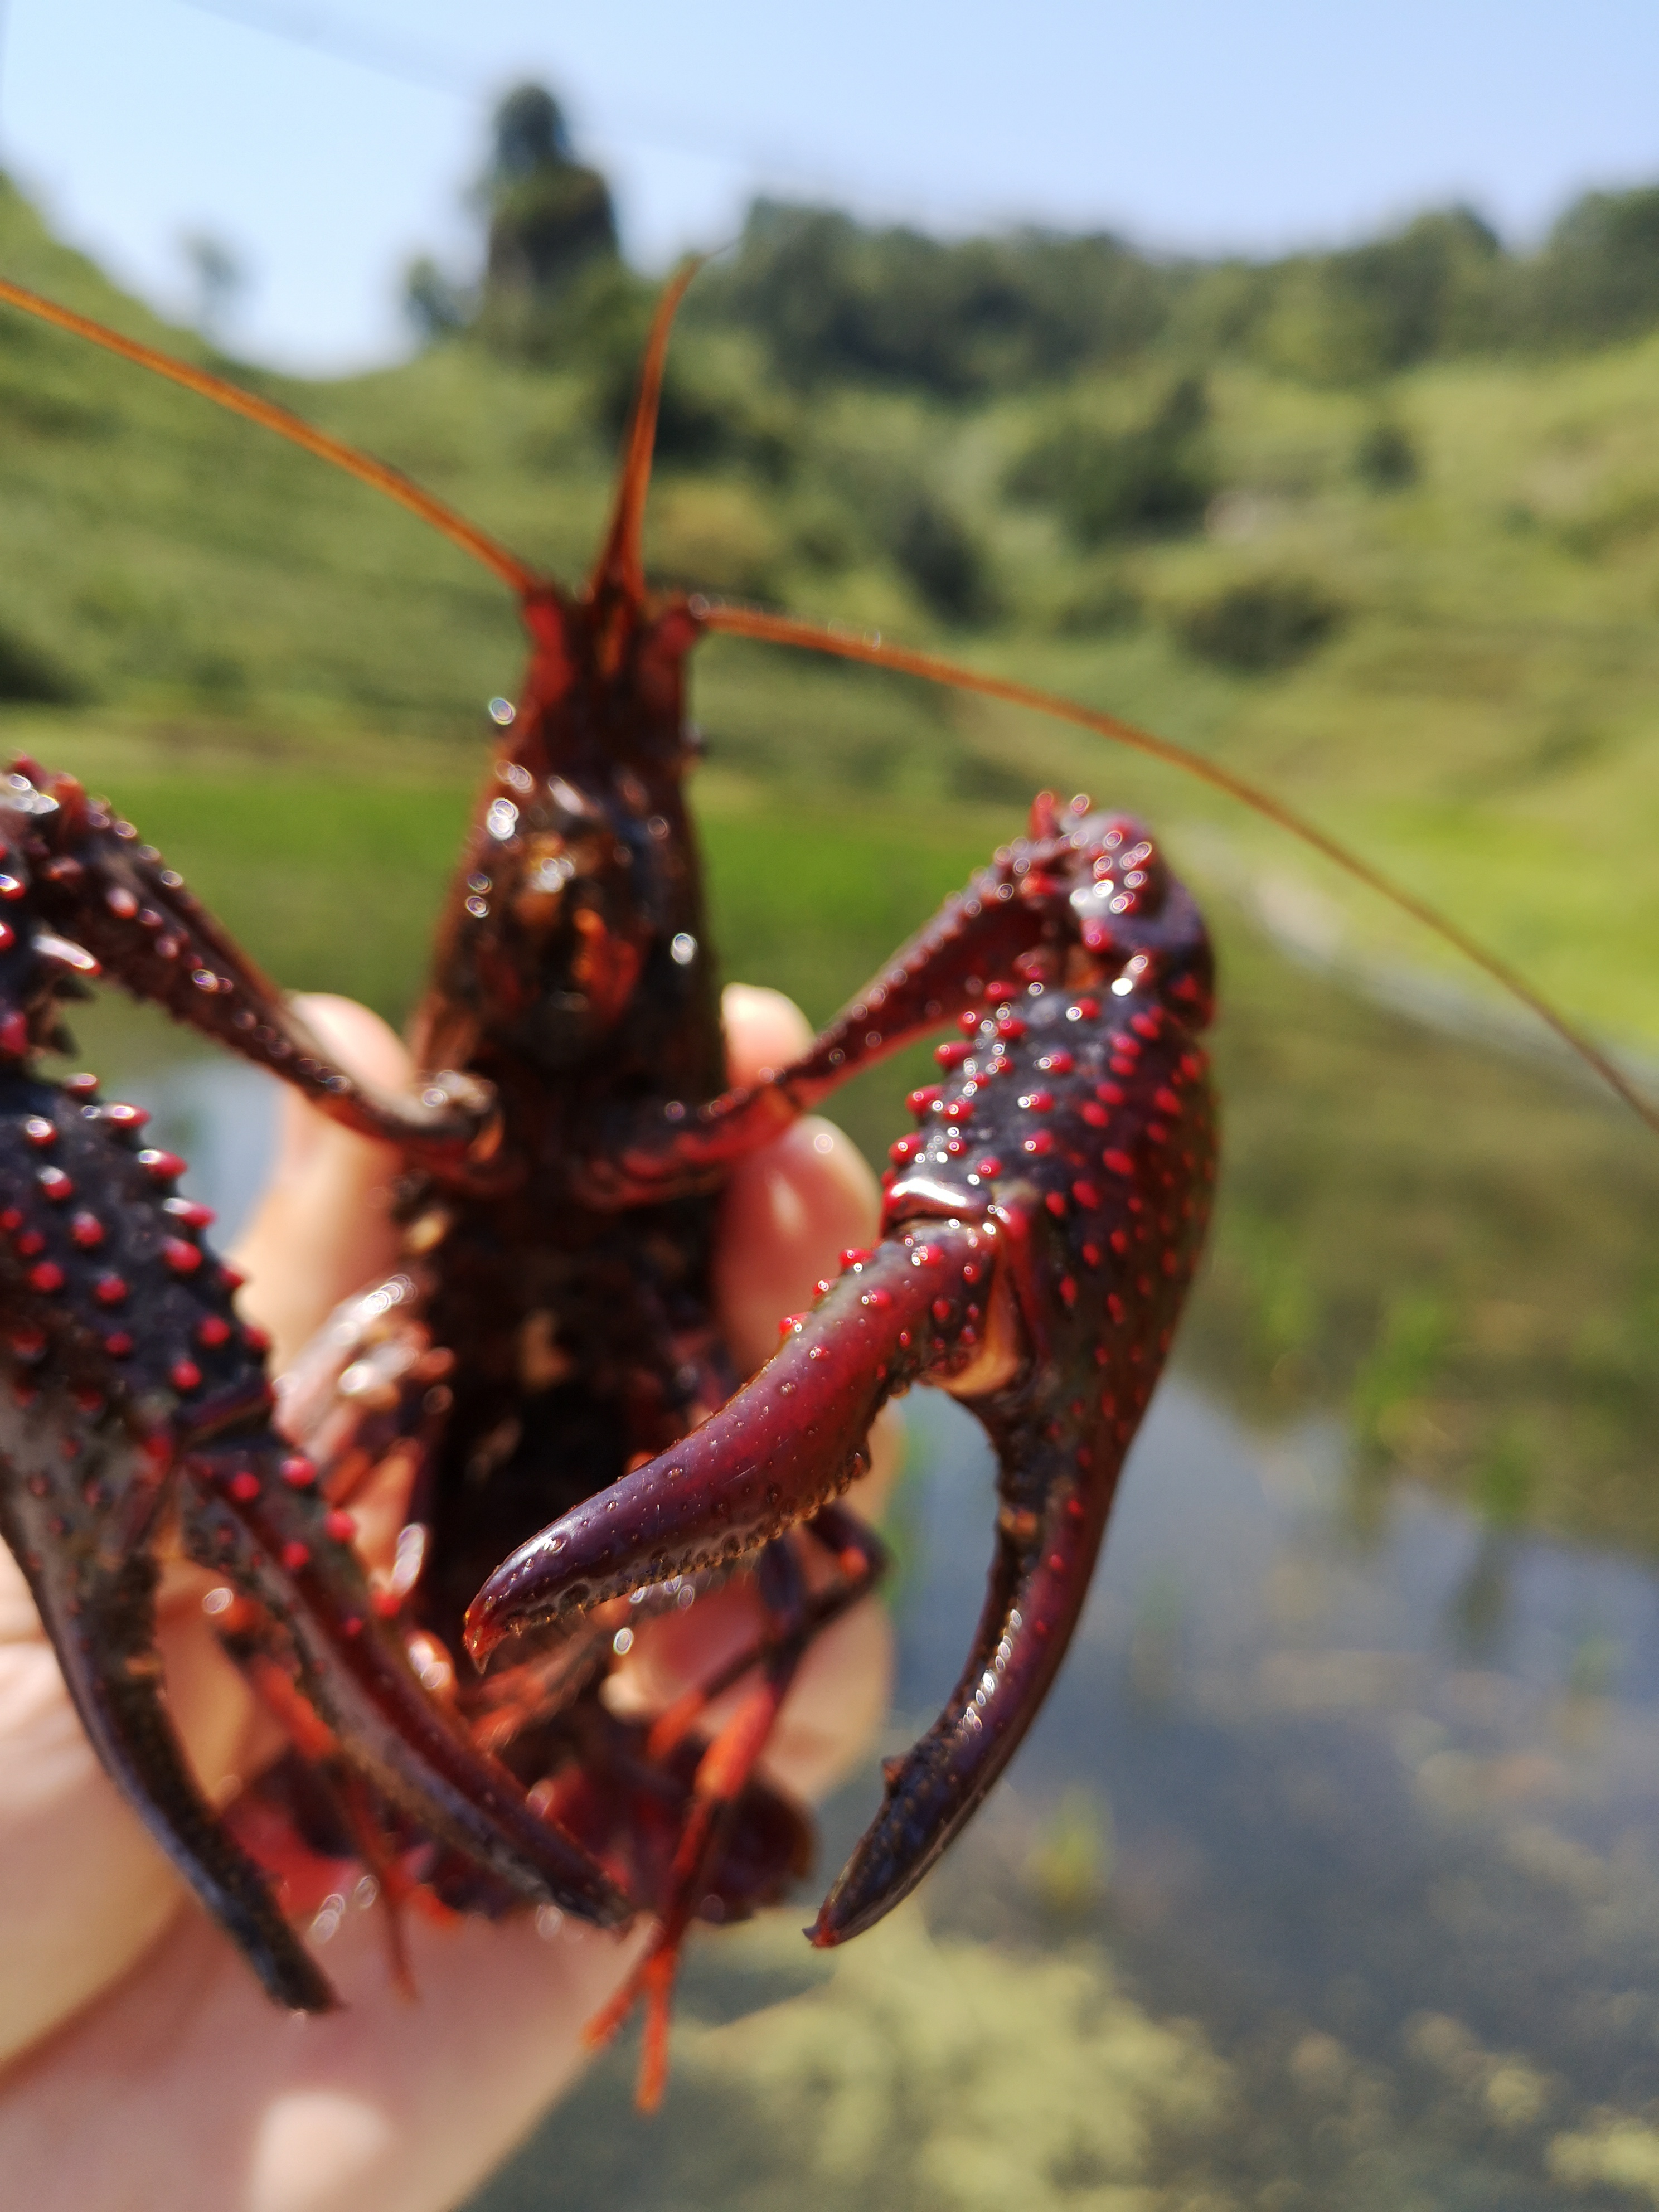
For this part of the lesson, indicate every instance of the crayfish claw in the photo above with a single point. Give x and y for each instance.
(1039, 1581)
(99, 1614)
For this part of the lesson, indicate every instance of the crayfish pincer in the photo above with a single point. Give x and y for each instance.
(1040, 1231)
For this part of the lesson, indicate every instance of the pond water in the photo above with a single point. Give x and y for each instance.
(1330, 1873)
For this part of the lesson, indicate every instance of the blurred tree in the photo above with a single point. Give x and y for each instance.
(1385, 457)
(942, 559)
(221, 279)
(1598, 278)
(1111, 484)
(549, 216)
(1441, 285)
(1255, 627)
(29, 675)
(833, 300)
(434, 303)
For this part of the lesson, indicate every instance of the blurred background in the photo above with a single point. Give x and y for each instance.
(1286, 382)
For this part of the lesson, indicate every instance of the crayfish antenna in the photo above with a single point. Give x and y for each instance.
(621, 566)
(285, 424)
(875, 652)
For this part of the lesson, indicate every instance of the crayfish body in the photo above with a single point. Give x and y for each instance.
(540, 1385)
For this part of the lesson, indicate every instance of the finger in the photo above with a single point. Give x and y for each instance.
(83, 1889)
(791, 1208)
(324, 1227)
(186, 2088)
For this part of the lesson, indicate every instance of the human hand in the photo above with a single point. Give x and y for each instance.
(143, 2066)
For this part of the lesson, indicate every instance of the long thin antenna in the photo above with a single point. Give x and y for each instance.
(814, 637)
(621, 563)
(298, 432)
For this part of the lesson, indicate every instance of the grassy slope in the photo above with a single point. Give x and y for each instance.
(1483, 721)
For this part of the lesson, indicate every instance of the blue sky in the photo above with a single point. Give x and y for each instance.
(327, 141)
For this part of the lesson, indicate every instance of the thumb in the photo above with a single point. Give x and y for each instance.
(324, 1226)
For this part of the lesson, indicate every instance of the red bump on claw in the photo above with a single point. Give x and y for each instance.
(244, 1486)
(109, 1289)
(187, 1211)
(186, 1374)
(296, 1556)
(184, 1259)
(298, 1473)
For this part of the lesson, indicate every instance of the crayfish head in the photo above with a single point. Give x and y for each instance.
(574, 929)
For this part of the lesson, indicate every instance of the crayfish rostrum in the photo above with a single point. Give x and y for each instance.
(539, 1380)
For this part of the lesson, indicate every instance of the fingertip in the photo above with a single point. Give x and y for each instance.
(323, 1226)
(787, 1213)
(765, 1031)
(357, 1037)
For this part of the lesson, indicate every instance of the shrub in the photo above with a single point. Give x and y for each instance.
(31, 677)
(1269, 624)
(1107, 484)
(942, 560)
(1386, 458)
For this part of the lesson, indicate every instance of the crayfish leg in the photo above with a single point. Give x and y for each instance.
(722, 1774)
(242, 1519)
(91, 899)
(702, 1862)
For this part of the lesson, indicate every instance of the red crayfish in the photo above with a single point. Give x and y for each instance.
(540, 1377)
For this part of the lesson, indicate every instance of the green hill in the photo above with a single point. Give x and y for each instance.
(1420, 602)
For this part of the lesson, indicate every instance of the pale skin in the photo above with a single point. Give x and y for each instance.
(140, 2065)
